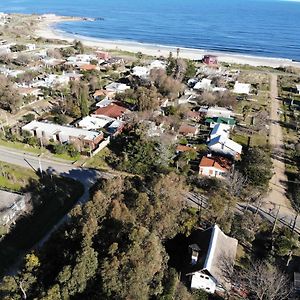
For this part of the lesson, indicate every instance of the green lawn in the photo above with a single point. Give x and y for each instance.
(66, 156)
(14, 177)
(98, 161)
(53, 198)
(21, 146)
(256, 140)
(36, 150)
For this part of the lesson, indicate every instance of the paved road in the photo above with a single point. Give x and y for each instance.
(87, 177)
(277, 195)
(200, 202)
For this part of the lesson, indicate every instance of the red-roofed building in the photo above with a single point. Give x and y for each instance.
(188, 130)
(183, 148)
(214, 166)
(113, 110)
(88, 67)
(193, 115)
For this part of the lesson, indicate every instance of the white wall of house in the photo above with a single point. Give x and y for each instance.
(211, 172)
(220, 148)
(203, 282)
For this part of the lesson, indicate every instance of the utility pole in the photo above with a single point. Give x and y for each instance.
(276, 219)
(40, 166)
(257, 208)
(295, 221)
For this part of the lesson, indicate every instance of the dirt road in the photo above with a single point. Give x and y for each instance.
(277, 196)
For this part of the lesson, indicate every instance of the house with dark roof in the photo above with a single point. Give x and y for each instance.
(212, 257)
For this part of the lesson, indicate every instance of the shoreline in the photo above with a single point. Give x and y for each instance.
(46, 29)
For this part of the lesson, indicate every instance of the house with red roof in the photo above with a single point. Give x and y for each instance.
(214, 166)
(184, 148)
(114, 110)
(88, 67)
(188, 130)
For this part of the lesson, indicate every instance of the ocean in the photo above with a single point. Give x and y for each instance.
(268, 28)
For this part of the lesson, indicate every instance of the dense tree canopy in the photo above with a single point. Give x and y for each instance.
(110, 249)
(9, 98)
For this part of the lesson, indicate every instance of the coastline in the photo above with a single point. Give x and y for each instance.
(46, 29)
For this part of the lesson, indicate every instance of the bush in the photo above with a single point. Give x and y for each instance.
(59, 149)
(73, 152)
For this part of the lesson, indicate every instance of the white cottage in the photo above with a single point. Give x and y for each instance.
(212, 256)
(242, 88)
(223, 145)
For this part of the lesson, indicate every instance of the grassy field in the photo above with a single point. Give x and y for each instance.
(22, 146)
(98, 161)
(51, 200)
(37, 150)
(14, 177)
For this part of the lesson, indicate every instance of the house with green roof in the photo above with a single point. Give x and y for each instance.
(211, 122)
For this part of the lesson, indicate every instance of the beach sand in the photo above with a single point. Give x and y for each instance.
(46, 30)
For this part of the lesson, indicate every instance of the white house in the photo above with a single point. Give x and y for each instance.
(225, 146)
(241, 88)
(212, 256)
(92, 123)
(117, 87)
(5, 49)
(220, 129)
(64, 134)
(140, 71)
(30, 47)
(219, 89)
(12, 205)
(204, 84)
(105, 102)
(214, 166)
(215, 111)
(28, 91)
(157, 64)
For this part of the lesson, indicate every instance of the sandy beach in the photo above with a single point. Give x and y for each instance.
(46, 29)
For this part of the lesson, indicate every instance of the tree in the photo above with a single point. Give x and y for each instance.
(84, 102)
(245, 226)
(236, 183)
(10, 99)
(285, 242)
(19, 286)
(264, 281)
(147, 99)
(78, 46)
(171, 64)
(257, 166)
(190, 71)
(130, 272)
